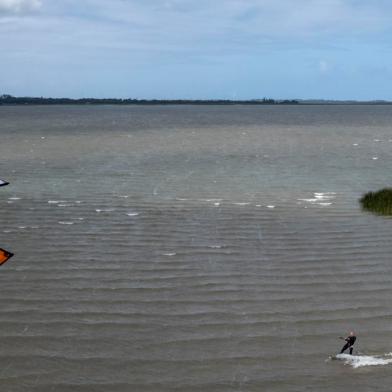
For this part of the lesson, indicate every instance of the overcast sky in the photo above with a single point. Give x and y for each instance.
(235, 49)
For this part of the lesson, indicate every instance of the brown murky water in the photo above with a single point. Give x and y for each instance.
(194, 248)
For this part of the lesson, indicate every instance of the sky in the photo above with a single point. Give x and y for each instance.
(197, 49)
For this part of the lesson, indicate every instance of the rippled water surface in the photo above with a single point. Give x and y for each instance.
(194, 248)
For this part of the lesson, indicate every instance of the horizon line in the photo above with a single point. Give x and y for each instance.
(9, 99)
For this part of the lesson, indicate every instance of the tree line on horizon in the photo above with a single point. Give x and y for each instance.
(11, 100)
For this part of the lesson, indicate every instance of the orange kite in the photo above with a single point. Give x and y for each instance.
(4, 256)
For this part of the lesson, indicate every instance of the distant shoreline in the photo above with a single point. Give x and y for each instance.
(8, 100)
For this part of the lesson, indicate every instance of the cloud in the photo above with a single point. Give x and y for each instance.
(19, 6)
(235, 25)
(323, 66)
(271, 16)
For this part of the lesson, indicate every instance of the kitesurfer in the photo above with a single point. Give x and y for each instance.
(350, 340)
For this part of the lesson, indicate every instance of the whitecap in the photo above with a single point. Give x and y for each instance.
(132, 213)
(323, 196)
(217, 204)
(65, 223)
(357, 361)
(375, 158)
(55, 201)
(215, 246)
(355, 144)
(14, 198)
(270, 206)
(170, 254)
(104, 210)
(241, 204)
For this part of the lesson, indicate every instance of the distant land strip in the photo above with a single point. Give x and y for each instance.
(11, 100)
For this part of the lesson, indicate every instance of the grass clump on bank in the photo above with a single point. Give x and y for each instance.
(379, 202)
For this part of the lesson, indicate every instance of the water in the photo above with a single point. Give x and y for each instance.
(194, 248)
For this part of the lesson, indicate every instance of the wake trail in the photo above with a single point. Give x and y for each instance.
(357, 361)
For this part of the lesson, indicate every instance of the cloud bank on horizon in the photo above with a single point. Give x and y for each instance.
(240, 49)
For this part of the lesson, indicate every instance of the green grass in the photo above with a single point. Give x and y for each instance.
(379, 202)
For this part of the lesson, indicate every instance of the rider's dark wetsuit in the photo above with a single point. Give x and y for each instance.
(350, 342)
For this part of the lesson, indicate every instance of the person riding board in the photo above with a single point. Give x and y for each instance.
(350, 340)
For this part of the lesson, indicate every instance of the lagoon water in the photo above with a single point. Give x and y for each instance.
(186, 248)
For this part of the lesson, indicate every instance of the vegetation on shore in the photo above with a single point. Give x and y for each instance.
(379, 202)
(10, 100)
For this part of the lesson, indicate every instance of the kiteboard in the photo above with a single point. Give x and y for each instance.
(3, 182)
(343, 356)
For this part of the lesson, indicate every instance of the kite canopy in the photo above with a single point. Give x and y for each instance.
(3, 182)
(4, 256)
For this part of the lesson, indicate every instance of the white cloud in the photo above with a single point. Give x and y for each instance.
(323, 66)
(19, 6)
